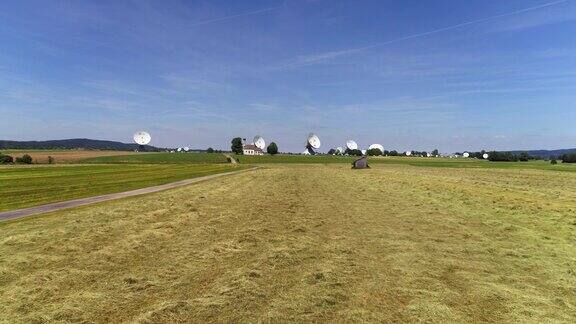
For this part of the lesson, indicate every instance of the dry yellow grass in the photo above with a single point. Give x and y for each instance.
(66, 156)
(306, 243)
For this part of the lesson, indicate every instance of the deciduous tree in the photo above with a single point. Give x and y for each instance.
(272, 149)
(237, 145)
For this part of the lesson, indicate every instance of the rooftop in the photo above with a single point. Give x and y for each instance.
(251, 147)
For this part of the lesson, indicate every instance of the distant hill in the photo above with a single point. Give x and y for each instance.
(71, 144)
(546, 154)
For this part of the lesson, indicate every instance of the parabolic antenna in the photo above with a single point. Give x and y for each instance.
(408, 153)
(339, 150)
(314, 141)
(351, 145)
(376, 146)
(179, 149)
(485, 156)
(428, 154)
(186, 148)
(259, 142)
(363, 152)
(466, 154)
(142, 138)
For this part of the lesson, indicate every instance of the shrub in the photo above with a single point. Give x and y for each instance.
(6, 159)
(25, 159)
(524, 157)
(272, 149)
(553, 162)
(569, 158)
(353, 152)
(210, 150)
(50, 160)
(374, 152)
(502, 157)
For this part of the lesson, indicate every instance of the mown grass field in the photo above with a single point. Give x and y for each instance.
(26, 186)
(413, 161)
(474, 163)
(302, 243)
(296, 159)
(159, 158)
(63, 156)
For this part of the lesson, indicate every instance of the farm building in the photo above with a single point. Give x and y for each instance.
(251, 149)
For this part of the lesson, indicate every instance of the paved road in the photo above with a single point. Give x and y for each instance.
(91, 200)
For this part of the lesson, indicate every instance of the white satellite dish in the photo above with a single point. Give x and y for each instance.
(142, 138)
(376, 146)
(186, 148)
(351, 145)
(485, 156)
(466, 154)
(363, 152)
(408, 153)
(259, 142)
(339, 150)
(312, 143)
(428, 154)
(179, 149)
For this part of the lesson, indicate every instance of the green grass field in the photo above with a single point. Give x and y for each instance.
(170, 158)
(287, 158)
(30, 186)
(159, 158)
(306, 243)
(473, 163)
(413, 161)
(26, 186)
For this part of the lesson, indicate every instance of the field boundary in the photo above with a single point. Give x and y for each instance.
(42, 209)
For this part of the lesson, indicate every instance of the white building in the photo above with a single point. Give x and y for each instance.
(251, 149)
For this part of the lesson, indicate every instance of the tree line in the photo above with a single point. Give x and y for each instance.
(378, 152)
(24, 159)
(568, 158)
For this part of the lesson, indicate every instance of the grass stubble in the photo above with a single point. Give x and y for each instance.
(306, 243)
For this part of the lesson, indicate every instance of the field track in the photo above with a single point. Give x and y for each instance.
(19, 213)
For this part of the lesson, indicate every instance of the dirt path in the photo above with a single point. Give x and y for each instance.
(12, 214)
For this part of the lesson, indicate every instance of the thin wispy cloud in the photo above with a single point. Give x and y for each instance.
(244, 14)
(322, 57)
(536, 18)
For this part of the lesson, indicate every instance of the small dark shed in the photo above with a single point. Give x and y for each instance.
(361, 163)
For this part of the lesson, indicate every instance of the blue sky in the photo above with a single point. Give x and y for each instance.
(409, 74)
